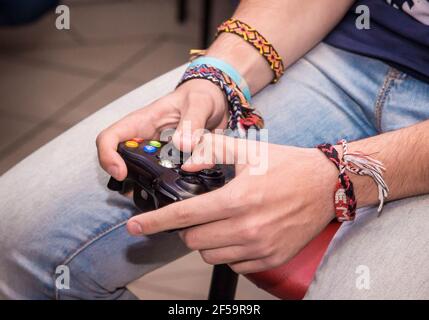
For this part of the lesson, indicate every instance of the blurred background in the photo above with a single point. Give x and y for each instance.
(51, 79)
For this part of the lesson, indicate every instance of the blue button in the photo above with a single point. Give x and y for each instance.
(149, 149)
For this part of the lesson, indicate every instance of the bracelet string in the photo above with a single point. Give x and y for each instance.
(364, 165)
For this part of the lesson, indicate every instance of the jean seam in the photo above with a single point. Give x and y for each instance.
(389, 80)
(86, 244)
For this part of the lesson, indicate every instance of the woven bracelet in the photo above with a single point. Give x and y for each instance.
(258, 41)
(344, 197)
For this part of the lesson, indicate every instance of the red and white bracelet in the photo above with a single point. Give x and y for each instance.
(357, 163)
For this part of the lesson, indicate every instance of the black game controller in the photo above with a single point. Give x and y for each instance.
(155, 176)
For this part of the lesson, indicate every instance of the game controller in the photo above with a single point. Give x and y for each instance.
(156, 178)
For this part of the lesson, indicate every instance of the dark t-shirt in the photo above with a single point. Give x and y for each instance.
(398, 34)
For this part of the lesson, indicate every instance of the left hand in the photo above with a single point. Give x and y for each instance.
(256, 221)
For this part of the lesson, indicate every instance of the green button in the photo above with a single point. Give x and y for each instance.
(155, 144)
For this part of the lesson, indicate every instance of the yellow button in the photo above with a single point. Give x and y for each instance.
(131, 144)
(155, 144)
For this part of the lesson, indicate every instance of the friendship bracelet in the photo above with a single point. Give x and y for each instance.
(356, 163)
(344, 198)
(242, 116)
(258, 41)
(229, 70)
(363, 165)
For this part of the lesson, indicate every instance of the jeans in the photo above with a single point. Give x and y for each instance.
(56, 210)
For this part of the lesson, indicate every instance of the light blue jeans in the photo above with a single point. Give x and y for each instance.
(56, 210)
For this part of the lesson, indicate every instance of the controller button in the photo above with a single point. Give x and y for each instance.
(167, 164)
(155, 144)
(149, 149)
(131, 144)
(191, 179)
(138, 140)
(211, 173)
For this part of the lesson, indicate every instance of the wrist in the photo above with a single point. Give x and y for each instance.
(244, 58)
(327, 176)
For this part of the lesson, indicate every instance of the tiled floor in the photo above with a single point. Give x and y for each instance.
(51, 79)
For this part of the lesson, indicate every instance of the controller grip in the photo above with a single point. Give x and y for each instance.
(115, 185)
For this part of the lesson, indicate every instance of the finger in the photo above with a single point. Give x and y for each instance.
(194, 211)
(232, 254)
(218, 234)
(250, 266)
(107, 142)
(214, 149)
(191, 127)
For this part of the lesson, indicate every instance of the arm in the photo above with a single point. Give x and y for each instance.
(405, 154)
(292, 26)
(264, 230)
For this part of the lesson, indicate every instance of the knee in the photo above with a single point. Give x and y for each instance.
(25, 273)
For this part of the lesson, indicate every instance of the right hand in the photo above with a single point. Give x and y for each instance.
(198, 102)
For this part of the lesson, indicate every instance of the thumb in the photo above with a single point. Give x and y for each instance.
(191, 128)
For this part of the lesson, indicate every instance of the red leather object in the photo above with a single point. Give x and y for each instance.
(291, 280)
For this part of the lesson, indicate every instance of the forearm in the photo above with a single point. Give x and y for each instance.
(405, 154)
(292, 26)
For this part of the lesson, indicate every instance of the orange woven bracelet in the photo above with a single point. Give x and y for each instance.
(258, 41)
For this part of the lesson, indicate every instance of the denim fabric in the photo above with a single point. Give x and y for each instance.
(56, 210)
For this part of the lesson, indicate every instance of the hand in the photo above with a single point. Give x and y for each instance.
(197, 104)
(255, 222)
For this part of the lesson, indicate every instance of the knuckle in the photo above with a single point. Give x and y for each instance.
(250, 232)
(273, 261)
(263, 249)
(183, 215)
(208, 257)
(267, 250)
(236, 198)
(100, 138)
(190, 240)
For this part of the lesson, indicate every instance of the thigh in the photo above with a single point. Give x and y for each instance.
(328, 95)
(56, 210)
(382, 257)
(403, 102)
